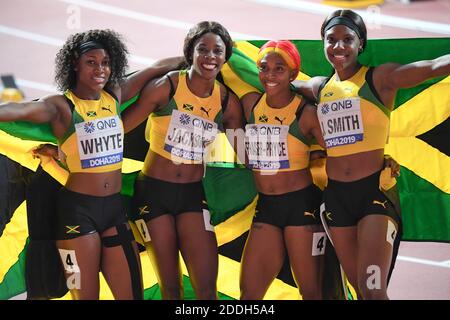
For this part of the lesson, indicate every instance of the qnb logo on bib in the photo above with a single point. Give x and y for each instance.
(341, 122)
(266, 146)
(100, 142)
(189, 135)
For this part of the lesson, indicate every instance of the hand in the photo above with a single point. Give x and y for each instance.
(391, 163)
(48, 150)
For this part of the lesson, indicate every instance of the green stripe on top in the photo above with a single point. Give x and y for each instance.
(128, 103)
(367, 94)
(76, 118)
(252, 118)
(167, 110)
(219, 120)
(294, 130)
(425, 209)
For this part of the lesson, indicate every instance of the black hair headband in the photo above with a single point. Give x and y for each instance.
(345, 21)
(89, 45)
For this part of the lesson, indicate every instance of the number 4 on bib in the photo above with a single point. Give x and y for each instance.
(319, 243)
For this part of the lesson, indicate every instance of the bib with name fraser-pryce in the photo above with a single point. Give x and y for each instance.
(341, 122)
(266, 146)
(100, 142)
(188, 135)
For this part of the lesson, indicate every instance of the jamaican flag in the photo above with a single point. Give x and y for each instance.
(419, 135)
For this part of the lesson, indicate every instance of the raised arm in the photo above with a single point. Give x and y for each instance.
(390, 77)
(135, 82)
(44, 110)
(154, 94)
(396, 76)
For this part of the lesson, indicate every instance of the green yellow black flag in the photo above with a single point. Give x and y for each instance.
(419, 135)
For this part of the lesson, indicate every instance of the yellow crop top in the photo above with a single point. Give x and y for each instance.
(94, 141)
(351, 116)
(273, 140)
(182, 130)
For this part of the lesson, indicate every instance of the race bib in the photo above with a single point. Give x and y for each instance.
(341, 122)
(188, 135)
(100, 142)
(266, 146)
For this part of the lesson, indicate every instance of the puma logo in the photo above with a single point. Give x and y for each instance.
(280, 120)
(107, 109)
(380, 203)
(311, 214)
(205, 111)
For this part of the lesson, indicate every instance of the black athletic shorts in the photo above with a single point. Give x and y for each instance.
(346, 203)
(80, 214)
(297, 208)
(153, 198)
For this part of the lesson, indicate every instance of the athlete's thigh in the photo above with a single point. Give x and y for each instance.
(262, 259)
(306, 257)
(81, 258)
(198, 243)
(376, 235)
(164, 247)
(121, 264)
(345, 243)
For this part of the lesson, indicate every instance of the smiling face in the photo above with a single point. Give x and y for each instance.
(93, 70)
(274, 73)
(342, 45)
(209, 55)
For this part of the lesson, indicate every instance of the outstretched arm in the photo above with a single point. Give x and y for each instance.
(135, 82)
(154, 94)
(396, 76)
(45, 110)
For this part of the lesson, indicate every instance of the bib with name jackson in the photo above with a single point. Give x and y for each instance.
(183, 130)
(189, 135)
(273, 139)
(351, 116)
(94, 142)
